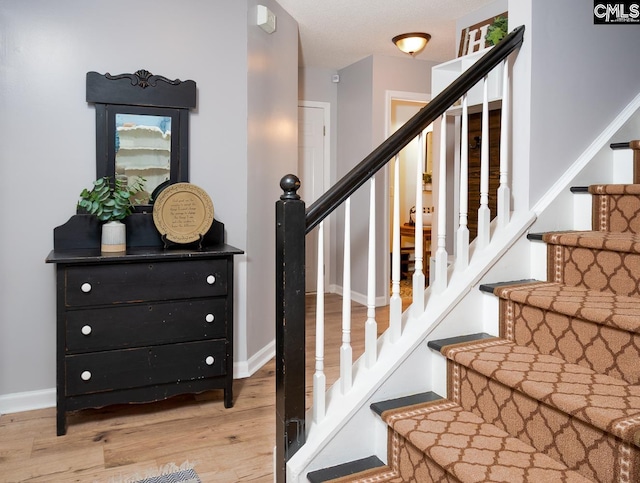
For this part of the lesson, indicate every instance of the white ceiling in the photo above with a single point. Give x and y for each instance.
(337, 33)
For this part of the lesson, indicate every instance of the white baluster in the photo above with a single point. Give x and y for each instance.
(504, 192)
(371, 326)
(484, 214)
(418, 274)
(346, 351)
(440, 277)
(462, 237)
(319, 378)
(395, 303)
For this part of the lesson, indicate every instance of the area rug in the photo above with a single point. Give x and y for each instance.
(168, 473)
(184, 476)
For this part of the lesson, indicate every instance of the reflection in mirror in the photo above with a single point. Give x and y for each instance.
(143, 150)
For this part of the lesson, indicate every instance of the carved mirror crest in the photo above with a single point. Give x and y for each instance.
(142, 128)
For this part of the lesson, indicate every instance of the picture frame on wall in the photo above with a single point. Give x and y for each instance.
(483, 34)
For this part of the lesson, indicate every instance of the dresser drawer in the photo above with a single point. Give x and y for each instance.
(136, 325)
(138, 282)
(145, 366)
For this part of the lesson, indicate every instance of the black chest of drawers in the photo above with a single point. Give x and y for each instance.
(142, 326)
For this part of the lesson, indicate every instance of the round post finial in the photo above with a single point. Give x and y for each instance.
(290, 184)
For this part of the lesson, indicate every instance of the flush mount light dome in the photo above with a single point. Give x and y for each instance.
(411, 43)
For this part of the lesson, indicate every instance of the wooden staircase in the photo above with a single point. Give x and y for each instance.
(555, 396)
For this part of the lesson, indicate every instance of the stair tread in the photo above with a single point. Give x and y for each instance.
(615, 189)
(371, 463)
(413, 399)
(598, 240)
(438, 344)
(471, 449)
(605, 402)
(604, 308)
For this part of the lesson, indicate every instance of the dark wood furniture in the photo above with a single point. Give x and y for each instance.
(144, 325)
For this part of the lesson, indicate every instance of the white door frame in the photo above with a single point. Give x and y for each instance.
(389, 97)
(326, 182)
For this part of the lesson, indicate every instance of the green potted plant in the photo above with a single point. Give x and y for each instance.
(111, 203)
(497, 30)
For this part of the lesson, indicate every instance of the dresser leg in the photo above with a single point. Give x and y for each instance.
(61, 422)
(228, 396)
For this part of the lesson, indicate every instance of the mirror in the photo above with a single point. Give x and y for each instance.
(143, 151)
(142, 129)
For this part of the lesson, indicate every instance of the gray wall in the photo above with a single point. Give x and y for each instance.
(585, 74)
(272, 153)
(47, 148)
(591, 74)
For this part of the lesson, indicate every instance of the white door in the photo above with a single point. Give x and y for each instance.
(311, 160)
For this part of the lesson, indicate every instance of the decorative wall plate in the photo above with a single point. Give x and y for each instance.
(183, 213)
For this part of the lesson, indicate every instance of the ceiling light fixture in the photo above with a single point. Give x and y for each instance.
(411, 43)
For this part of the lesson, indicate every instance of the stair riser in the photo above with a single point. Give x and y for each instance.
(411, 464)
(616, 213)
(606, 350)
(581, 447)
(608, 271)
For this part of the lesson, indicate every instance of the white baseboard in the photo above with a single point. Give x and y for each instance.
(27, 401)
(246, 369)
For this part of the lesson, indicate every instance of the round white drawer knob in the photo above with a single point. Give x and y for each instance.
(209, 318)
(209, 360)
(86, 287)
(86, 330)
(211, 279)
(85, 376)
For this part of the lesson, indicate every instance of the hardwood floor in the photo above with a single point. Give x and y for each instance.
(126, 442)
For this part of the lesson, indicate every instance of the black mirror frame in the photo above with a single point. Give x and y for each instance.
(141, 93)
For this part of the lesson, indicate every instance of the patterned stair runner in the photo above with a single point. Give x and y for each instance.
(596, 329)
(588, 421)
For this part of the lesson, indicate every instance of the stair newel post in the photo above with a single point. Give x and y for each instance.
(290, 324)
